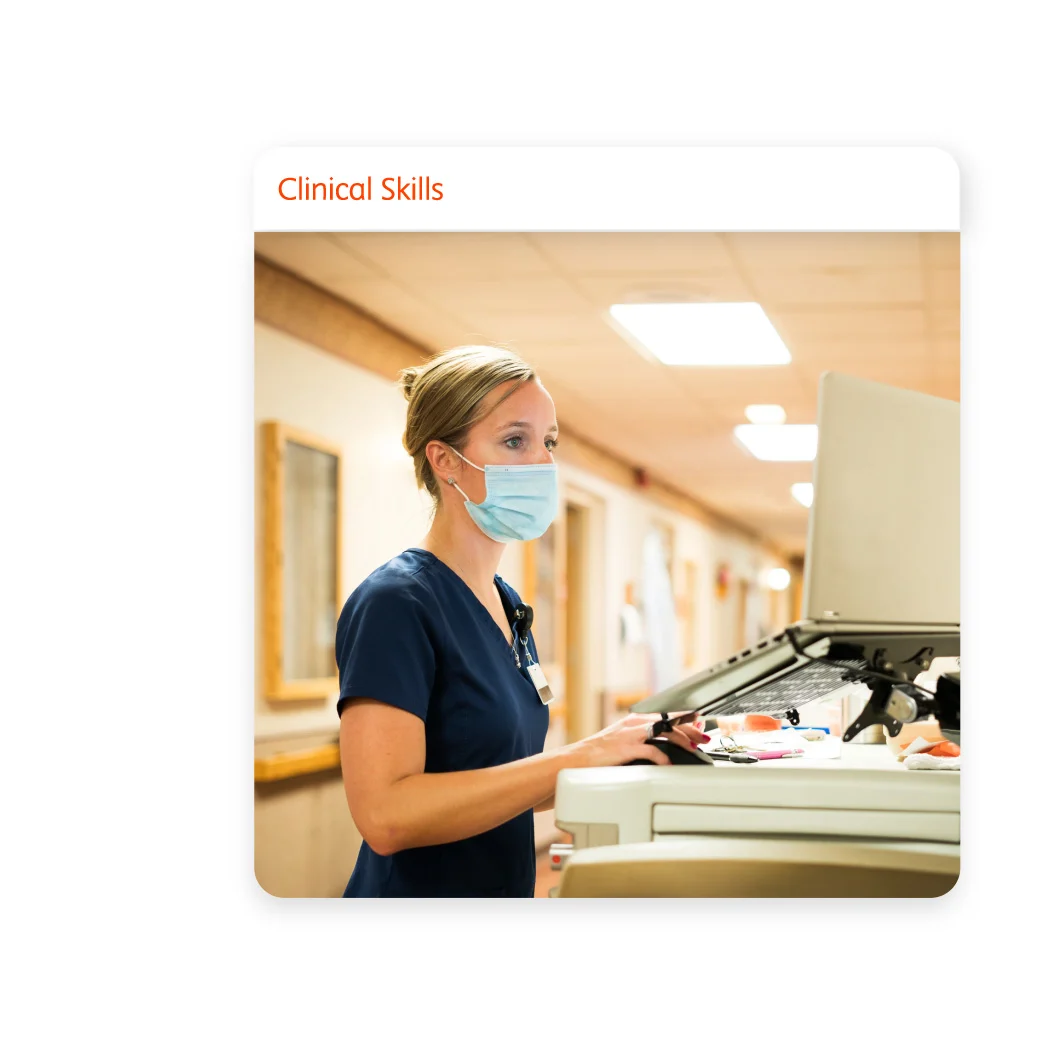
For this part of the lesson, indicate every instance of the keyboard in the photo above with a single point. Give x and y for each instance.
(803, 684)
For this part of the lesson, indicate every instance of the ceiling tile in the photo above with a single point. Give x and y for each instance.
(941, 249)
(943, 287)
(796, 250)
(946, 321)
(837, 325)
(533, 295)
(315, 256)
(606, 290)
(588, 253)
(855, 285)
(532, 327)
(399, 309)
(443, 255)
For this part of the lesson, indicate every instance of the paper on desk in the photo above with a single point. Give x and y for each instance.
(931, 761)
(812, 750)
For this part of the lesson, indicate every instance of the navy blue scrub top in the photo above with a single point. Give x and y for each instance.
(413, 635)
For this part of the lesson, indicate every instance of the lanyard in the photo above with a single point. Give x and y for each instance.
(524, 620)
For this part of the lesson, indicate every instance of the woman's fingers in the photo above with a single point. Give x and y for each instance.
(641, 719)
(651, 752)
(690, 734)
(682, 739)
(686, 735)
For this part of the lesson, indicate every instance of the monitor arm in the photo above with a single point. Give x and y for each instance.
(888, 664)
(894, 704)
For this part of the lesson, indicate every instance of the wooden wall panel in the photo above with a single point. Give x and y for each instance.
(305, 842)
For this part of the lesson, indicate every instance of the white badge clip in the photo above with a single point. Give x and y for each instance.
(536, 673)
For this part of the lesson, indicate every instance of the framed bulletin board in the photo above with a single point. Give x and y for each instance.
(301, 585)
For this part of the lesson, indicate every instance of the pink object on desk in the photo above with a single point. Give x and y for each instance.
(764, 755)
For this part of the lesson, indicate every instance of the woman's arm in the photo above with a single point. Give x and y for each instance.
(397, 805)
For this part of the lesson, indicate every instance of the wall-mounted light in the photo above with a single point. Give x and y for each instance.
(777, 579)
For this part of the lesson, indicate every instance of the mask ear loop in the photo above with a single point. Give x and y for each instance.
(453, 482)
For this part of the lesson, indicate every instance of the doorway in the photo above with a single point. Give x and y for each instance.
(578, 691)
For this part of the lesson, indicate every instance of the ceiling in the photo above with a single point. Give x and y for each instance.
(880, 305)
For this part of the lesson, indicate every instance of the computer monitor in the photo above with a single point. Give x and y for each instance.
(882, 564)
(884, 528)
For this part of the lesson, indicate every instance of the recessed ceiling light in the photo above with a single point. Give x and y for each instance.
(716, 334)
(779, 441)
(766, 414)
(802, 493)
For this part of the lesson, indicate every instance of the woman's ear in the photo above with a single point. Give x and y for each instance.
(444, 462)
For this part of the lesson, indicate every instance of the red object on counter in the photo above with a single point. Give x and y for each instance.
(761, 723)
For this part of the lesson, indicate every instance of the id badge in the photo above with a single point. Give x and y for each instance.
(536, 673)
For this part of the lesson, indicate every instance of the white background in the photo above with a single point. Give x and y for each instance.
(601, 187)
(125, 400)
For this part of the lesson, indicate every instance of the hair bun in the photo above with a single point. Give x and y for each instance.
(407, 378)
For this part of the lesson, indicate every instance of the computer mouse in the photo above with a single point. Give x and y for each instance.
(678, 755)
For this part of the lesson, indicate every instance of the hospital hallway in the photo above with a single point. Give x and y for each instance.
(683, 485)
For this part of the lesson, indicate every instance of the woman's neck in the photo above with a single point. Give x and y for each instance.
(457, 541)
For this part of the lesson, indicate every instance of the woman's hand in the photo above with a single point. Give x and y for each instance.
(624, 741)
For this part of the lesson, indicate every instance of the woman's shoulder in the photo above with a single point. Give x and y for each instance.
(403, 579)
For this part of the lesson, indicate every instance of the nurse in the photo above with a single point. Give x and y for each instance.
(442, 726)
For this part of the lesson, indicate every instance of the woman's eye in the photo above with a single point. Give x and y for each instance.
(551, 443)
(514, 442)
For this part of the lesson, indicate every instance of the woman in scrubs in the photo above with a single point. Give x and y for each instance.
(442, 725)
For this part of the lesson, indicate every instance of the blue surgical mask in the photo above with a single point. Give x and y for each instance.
(521, 500)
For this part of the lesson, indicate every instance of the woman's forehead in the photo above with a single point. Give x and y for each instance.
(529, 405)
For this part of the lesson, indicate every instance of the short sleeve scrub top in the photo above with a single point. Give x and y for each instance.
(413, 635)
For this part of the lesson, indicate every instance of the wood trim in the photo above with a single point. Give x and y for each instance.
(305, 311)
(296, 763)
(797, 589)
(626, 700)
(272, 543)
(305, 689)
(274, 436)
(572, 615)
(306, 438)
(529, 572)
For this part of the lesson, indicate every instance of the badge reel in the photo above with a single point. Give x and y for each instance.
(524, 616)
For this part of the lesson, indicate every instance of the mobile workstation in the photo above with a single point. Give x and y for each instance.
(881, 602)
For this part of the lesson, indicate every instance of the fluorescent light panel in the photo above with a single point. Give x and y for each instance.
(802, 493)
(766, 414)
(779, 441)
(716, 334)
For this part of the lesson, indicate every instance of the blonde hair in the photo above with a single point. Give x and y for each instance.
(445, 398)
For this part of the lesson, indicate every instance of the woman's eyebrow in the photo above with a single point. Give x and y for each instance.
(526, 425)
